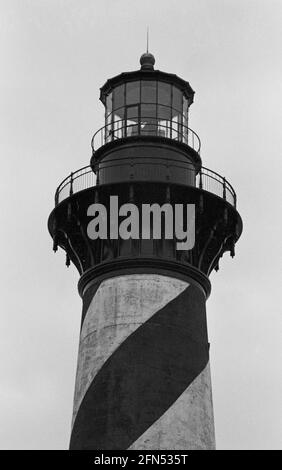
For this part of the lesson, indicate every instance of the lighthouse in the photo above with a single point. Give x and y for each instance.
(144, 224)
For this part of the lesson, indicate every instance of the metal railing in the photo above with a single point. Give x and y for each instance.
(145, 126)
(81, 179)
(205, 179)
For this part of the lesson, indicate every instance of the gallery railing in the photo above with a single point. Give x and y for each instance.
(205, 179)
(146, 126)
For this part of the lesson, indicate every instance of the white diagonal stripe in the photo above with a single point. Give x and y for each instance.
(187, 425)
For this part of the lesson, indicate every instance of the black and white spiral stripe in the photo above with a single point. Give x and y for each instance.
(143, 377)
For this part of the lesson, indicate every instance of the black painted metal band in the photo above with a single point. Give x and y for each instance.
(125, 266)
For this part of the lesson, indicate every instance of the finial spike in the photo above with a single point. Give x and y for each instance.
(147, 39)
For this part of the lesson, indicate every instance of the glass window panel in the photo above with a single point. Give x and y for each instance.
(109, 120)
(185, 131)
(119, 114)
(116, 121)
(176, 114)
(185, 107)
(148, 91)
(148, 111)
(180, 132)
(133, 92)
(118, 129)
(149, 124)
(177, 99)
(176, 128)
(185, 120)
(109, 104)
(132, 112)
(132, 123)
(164, 93)
(118, 97)
(164, 112)
(164, 127)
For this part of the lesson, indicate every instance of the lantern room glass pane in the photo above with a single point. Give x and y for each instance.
(109, 104)
(149, 125)
(185, 107)
(118, 98)
(164, 94)
(164, 112)
(148, 111)
(133, 92)
(147, 107)
(132, 122)
(119, 114)
(185, 120)
(177, 100)
(108, 120)
(148, 91)
(132, 112)
(176, 127)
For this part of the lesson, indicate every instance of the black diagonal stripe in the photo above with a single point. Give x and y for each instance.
(144, 376)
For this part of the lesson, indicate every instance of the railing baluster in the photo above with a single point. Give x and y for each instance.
(71, 184)
(224, 189)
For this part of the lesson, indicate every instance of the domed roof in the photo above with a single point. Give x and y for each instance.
(146, 72)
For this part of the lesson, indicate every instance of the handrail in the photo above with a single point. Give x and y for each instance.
(205, 179)
(136, 126)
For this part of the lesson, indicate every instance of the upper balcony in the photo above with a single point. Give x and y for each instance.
(205, 179)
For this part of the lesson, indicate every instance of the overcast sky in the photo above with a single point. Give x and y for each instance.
(55, 55)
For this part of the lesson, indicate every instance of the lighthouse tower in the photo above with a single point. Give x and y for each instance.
(143, 374)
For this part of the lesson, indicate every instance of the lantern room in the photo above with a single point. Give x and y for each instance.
(147, 102)
(146, 120)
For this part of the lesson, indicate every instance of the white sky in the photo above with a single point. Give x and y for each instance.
(55, 55)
